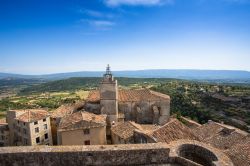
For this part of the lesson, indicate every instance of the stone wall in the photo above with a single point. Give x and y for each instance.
(93, 108)
(130, 154)
(142, 112)
(96, 136)
(84, 155)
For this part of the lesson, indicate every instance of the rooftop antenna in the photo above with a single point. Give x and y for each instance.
(108, 70)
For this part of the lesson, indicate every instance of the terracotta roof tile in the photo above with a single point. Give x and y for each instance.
(3, 121)
(66, 110)
(207, 130)
(131, 95)
(240, 152)
(31, 115)
(125, 130)
(82, 119)
(149, 127)
(171, 131)
(140, 94)
(219, 135)
(94, 96)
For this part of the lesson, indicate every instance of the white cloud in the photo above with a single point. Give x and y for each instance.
(96, 14)
(101, 23)
(92, 13)
(136, 2)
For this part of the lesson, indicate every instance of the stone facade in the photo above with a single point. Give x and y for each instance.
(29, 127)
(109, 97)
(145, 111)
(62, 112)
(4, 135)
(82, 128)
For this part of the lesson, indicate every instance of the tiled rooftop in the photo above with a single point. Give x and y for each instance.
(94, 96)
(172, 131)
(240, 152)
(219, 135)
(66, 110)
(131, 95)
(149, 127)
(3, 121)
(31, 115)
(82, 119)
(126, 129)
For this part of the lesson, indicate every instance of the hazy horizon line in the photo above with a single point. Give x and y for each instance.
(131, 70)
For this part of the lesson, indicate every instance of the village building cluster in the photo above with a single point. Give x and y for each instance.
(111, 115)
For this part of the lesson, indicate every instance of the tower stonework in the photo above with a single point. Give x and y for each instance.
(109, 97)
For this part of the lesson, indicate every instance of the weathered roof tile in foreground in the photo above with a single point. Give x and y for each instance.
(240, 152)
(172, 131)
(82, 119)
(125, 130)
(219, 135)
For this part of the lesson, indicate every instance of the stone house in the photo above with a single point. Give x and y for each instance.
(29, 127)
(171, 131)
(59, 113)
(4, 133)
(123, 132)
(82, 128)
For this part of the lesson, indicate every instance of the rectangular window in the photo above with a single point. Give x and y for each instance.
(37, 140)
(108, 137)
(44, 120)
(87, 142)
(24, 123)
(37, 130)
(45, 126)
(24, 131)
(25, 141)
(35, 123)
(46, 136)
(86, 131)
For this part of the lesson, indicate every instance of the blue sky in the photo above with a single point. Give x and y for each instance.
(51, 36)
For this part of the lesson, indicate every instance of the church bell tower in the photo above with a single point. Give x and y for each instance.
(109, 97)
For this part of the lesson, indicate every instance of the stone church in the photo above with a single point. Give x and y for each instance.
(142, 106)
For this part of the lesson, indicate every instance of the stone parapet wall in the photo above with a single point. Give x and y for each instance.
(129, 154)
(85, 155)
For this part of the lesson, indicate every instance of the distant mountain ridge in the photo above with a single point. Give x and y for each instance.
(155, 73)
